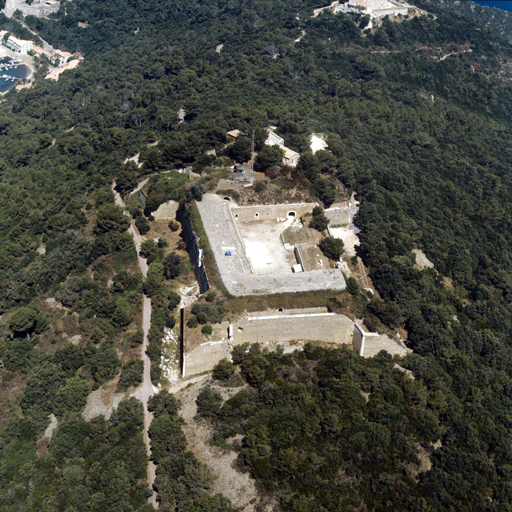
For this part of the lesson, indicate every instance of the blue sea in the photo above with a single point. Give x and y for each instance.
(21, 71)
(505, 5)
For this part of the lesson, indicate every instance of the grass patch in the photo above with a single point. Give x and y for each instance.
(168, 181)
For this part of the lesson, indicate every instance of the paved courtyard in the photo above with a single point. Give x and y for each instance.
(264, 248)
(236, 271)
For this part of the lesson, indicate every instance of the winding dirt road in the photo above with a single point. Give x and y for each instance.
(147, 388)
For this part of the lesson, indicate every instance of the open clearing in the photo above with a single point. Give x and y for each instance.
(238, 487)
(349, 236)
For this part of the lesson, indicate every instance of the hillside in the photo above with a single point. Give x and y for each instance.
(417, 115)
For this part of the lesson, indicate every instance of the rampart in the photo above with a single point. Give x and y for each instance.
(271, 212)
(339, 216)
(320, 327)
(289, 329)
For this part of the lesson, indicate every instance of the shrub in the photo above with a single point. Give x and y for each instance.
(332, 247)
(223, 370)
(172, 266)
(319, 220)
(174, 300)
(207, 329)
(173, 226)
(22, 320)
(192, 322)
(136, 338)
(142, 224)
(208, 403)
(131, 374)
(259, 187)
(352, 286)
(202, 317)
(104, 363)
(210, 297)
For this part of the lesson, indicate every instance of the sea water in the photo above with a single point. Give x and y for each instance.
(21, 71)
(504, 5)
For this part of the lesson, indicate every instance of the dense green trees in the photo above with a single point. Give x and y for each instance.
(425, 144)
(180, 479)
(111, 219)
(329, 429)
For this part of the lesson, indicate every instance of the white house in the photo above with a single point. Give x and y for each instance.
(273, 139)
(290, 157)
(19, 45)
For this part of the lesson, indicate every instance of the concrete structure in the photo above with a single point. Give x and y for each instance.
(19, 45)
(290, 329)
(375, 9)
(166, 211)
(271, 211)
(36, 8)
(234, 134)
(236, 270)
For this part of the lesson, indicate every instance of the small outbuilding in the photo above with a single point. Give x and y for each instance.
(234, 134)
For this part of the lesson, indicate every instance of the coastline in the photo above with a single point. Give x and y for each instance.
(27, 61)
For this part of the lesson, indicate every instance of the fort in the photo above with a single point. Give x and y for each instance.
(36, 8)
(289, 329)
(260, 250)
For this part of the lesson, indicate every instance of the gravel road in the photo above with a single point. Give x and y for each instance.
(146, 389)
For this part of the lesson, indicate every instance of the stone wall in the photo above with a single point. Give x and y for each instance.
(290, 329)
(357, 338)
(339, 216)
(321, 327)
(205, 357)
(270, 212)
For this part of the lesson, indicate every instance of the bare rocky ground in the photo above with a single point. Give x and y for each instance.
(238, 487)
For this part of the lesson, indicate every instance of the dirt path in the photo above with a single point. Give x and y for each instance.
(239, 487)
(146, 389)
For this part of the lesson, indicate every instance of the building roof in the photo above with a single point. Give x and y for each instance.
(19, 42)
(40, 50)
(288, 153)
(235, 133)
(63, 54)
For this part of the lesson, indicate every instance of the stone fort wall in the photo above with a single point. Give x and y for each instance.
(270, 212)
(338, 216)
(289, 329)
(320, 327)
(37, 8)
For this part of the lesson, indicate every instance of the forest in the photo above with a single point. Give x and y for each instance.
(417, 114)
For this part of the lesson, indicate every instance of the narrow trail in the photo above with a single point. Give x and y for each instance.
(147, 387)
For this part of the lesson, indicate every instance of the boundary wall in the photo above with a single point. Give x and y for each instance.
(193, 251)
(270, 212)
(339, 216)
